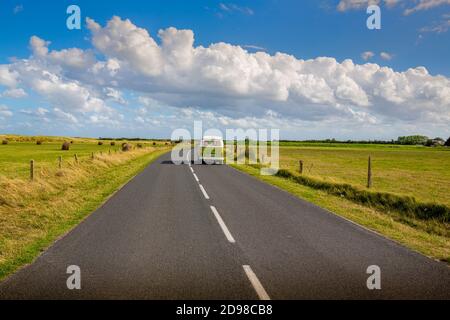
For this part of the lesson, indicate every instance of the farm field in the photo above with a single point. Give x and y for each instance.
(34, 213)
(16, 155)
(423, 173)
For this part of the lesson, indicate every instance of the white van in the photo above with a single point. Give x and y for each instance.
(212, 150)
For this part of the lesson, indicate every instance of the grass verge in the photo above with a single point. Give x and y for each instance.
(429, 237)
(403, 205)
(34, 214)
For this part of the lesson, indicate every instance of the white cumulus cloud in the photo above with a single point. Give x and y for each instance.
(221, 80)
(412, 6)
(426, 5)
(367, 55)
(14, 93)
(386, 56)
(5, 112)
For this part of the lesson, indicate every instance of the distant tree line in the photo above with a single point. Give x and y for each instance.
(423, 140)
(347, 141)
(413, 140)
(406, 140)
(130, 139)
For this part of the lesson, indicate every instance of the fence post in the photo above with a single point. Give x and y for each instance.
(369, 174)
(76, 158)
(92, 156)
(32, 170)
(301, 166)
(60, 162)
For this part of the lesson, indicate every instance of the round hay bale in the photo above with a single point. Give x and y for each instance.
(39, 142)
(71, 142)
(113, 143)
(140, 146)
(100, 143)
(126, 147)
(65, 146)
(154, 143)
(5, 142)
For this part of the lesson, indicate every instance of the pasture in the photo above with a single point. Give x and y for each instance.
(420, 172)
(16, 155)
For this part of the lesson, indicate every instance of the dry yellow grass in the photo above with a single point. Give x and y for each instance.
(34, 213)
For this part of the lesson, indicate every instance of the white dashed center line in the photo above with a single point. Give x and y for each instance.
(204, 192)
(196, 178)
(260, 291)
(188, 158)
(223, 225)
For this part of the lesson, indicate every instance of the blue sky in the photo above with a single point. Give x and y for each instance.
(304, 29)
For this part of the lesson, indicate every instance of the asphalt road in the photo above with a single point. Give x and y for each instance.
(166, 235)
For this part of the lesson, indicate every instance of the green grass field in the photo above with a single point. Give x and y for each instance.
(421, 172)
(15, 156)
(35, 213)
